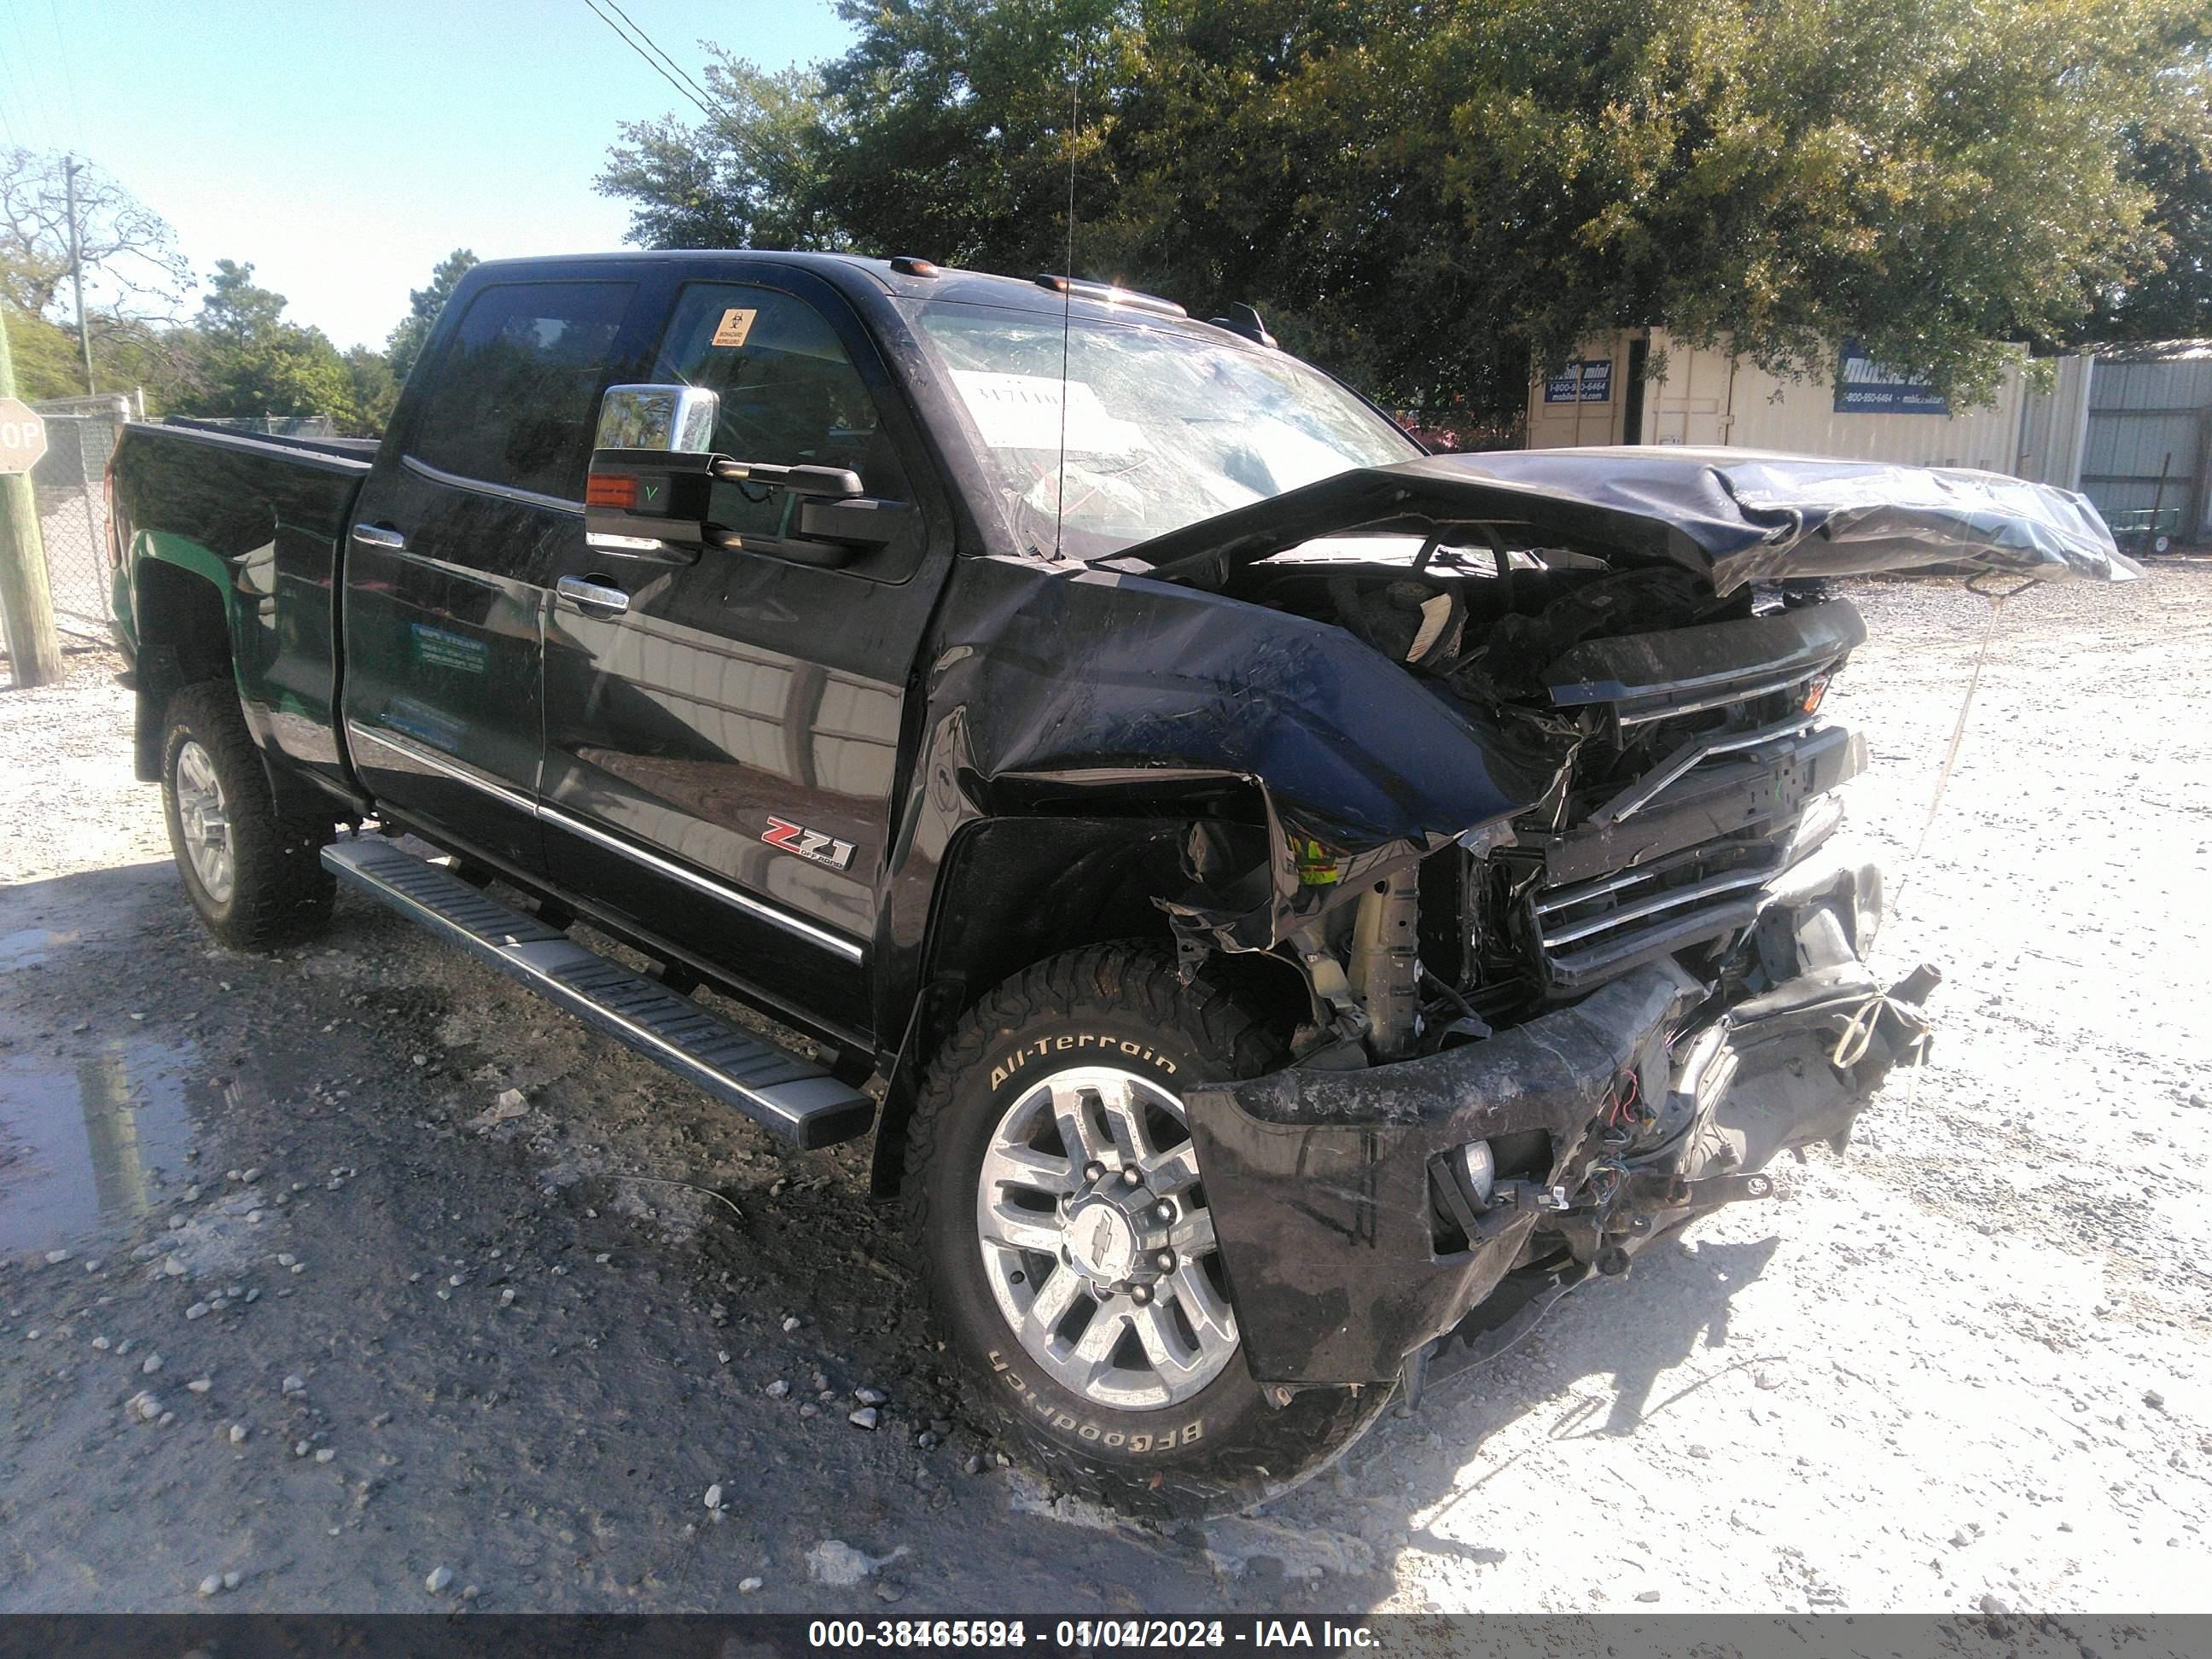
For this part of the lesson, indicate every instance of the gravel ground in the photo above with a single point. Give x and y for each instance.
(393, 1334)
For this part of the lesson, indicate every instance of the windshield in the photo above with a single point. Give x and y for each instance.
(1163, 429)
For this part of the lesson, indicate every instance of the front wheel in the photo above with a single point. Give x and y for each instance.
(1068, 1250)
(255, 875)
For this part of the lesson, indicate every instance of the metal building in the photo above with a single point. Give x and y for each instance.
(2129, 425)
(1709, 396)
(2147, 449)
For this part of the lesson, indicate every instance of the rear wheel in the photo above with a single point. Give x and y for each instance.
(256, 878)
(1068, 1248)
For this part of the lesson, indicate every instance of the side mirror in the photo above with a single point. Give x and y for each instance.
(649, 474)
(648, 494)
(668, 418)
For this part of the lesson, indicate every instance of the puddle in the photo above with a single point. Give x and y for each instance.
(88, 1144)
(27, 946)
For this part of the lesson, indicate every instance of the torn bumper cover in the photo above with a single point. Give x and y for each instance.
(1343, 1258)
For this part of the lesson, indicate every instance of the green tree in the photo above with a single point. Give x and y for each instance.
(45, 356)
(374, 391)
(246, 360)
(134, 276)
(751, 176)
(423, 304)
(2173, 298)
(1428, 198)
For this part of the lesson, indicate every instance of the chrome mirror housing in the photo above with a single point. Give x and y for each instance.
(674, 419)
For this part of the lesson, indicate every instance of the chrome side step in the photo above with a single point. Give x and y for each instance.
(790, 1097)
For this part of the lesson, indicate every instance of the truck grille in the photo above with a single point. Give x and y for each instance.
(1703, 776)
(1587, 931)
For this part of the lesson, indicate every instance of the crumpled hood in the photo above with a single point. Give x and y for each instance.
(1733, 515)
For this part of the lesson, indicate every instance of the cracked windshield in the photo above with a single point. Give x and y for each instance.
(1162, 429)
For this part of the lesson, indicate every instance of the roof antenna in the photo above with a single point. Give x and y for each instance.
(1067, 309)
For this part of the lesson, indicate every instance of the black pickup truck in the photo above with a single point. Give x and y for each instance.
(1296, 895)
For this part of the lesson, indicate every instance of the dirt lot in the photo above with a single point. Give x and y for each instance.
(382, 1330)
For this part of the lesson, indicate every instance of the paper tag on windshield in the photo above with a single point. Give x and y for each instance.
(1022, 412)
(733, 327)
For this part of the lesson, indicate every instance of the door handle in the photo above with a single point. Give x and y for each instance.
(596, 595)
(380, 535)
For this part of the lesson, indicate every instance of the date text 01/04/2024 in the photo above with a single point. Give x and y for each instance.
(1138, 1635)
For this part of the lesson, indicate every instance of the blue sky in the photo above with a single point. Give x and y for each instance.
(344, 148)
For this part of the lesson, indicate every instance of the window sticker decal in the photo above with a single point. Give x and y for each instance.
(1022, 412)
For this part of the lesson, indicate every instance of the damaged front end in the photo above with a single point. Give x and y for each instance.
(1541, 1039)
(1365, 1214)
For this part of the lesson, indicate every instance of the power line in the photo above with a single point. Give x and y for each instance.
(650, 64)
(650, 42)
(6, 125)
(69, 75)
(45, 121)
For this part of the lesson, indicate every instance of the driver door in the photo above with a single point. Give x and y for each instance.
(722, 725)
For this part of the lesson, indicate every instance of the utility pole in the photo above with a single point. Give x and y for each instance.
(76, 270)
(27, 608)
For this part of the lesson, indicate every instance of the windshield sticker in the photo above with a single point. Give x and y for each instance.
(734, 326)
(1022, 412)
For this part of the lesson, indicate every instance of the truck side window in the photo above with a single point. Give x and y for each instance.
(515, 395)
(790, 394)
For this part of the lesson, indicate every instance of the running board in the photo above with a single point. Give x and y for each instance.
(789, 1097)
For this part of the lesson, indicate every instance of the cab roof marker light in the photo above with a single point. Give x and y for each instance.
(910, 264)
(1053, 283)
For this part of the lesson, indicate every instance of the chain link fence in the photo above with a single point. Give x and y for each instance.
(68, 484)
(272, 426)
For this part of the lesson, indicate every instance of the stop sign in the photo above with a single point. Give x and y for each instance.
(22, 436)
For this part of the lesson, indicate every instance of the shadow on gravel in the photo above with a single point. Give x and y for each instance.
(517, 1343)
(1436, 1474)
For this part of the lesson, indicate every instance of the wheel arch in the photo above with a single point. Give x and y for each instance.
(1016, 890)
(182, 625)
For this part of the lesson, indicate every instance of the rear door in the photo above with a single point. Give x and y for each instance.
(453, 546)
(721, 751)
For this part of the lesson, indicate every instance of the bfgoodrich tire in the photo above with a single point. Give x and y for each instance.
(1089, 1310)
(256, 878)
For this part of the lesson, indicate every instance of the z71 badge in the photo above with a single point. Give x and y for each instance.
(808, 843)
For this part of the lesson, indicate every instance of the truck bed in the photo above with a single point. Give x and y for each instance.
(264, 519)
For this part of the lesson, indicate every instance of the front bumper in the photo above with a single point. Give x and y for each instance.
(1322, 1184)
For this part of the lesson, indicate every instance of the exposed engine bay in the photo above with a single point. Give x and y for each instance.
(1515, 765)
(1688, 766)
(1668, 866)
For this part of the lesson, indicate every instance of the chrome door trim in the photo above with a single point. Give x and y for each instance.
(505, 492)
(460, 771)
(691, 878)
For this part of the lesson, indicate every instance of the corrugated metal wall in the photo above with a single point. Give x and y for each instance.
(2108, 426)
(2150, 407)
(2054, 428)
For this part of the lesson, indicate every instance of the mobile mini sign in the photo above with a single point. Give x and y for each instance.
(1864, 386)
(1585, 382)
(22, 436)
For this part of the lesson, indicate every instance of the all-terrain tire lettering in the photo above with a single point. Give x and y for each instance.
(1123, 1006)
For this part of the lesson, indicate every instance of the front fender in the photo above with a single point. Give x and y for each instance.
(1054, 673)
